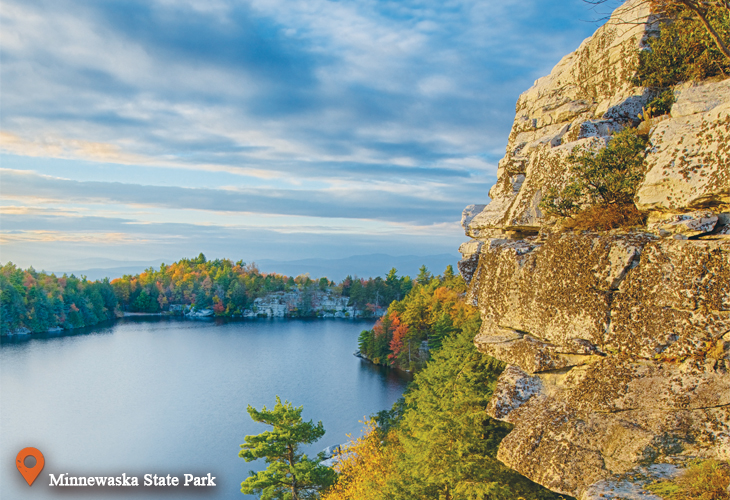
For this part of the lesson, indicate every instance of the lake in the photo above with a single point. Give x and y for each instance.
(169, 396)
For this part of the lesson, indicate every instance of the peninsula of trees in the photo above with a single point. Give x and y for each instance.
(416, 325)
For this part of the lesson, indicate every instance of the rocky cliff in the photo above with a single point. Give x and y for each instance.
(617, 343)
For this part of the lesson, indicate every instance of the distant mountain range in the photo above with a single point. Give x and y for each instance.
(363, 266)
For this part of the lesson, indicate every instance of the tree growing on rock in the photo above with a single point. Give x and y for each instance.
(702, 10)
(604, 183)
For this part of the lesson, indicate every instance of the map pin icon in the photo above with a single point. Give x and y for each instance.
(30, 473)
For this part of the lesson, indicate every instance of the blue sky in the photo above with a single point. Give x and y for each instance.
(259, 129)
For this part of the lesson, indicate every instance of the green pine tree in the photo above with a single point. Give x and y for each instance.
(290, 475)
(424, 277)
(449, 441)
(443, 328)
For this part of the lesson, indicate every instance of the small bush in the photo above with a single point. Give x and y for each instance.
(606, 217)
(660, 105)
(604, 183)
(703, 480)
(684, 51)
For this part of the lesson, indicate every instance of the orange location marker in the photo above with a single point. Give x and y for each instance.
(30, 473)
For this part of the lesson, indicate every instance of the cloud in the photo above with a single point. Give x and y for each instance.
(332, 203)
(374, 111)
(307, 81)
(47, 241)
(64, 148)
(58, 236)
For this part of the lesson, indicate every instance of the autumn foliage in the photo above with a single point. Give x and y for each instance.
(436, 443)
(39, 301)
(230, 288)
(416, 325)
(366, 466)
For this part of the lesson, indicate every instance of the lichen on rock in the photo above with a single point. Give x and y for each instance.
(618, 342)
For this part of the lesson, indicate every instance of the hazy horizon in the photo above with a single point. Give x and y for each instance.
(336, 269)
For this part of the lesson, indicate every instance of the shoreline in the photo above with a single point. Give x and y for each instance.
(358, 354)
(58, 331)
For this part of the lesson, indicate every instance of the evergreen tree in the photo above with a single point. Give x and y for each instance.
(448, 273)
(290, 475)
(423, 276)
(450, 443)
(365, 342)
(438, 442)
(443, 328)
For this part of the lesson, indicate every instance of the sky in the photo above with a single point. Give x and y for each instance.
(259, 129)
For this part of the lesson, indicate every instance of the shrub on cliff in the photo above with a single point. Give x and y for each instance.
(603, 186)
(685, 49)
(703, 480)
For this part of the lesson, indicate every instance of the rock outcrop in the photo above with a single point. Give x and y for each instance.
(617, 346)
(617, 343)
(689, 164)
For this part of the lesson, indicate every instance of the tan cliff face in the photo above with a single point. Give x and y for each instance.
(617, 343)
(617, 346)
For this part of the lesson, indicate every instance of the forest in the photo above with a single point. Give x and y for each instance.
(418, 324)
(33, 301)
(437, 442)
(39, 302)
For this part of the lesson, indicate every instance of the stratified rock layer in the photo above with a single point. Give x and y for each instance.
(618, 343)
(617, 347)
(587, 97)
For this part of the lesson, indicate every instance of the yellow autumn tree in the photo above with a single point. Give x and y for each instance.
(367, 467)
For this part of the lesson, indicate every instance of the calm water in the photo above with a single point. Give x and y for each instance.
(170, 396)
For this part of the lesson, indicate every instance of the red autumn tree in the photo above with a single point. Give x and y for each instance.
(398, 344)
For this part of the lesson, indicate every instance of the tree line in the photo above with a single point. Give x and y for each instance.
(39, 301)
(230, 288)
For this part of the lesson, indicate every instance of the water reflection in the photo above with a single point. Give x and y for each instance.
(166, 395)
(390, 374)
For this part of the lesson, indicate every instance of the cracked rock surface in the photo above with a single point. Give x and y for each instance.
(617, 343)
(617, 346)
(587, 97)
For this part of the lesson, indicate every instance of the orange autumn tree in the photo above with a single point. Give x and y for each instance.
(399, 344)
(380, 338)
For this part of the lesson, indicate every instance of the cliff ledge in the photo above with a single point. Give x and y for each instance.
(617, 343)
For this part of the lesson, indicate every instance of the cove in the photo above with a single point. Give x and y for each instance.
(165, 396)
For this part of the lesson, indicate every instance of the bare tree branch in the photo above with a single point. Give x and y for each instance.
(669, 8)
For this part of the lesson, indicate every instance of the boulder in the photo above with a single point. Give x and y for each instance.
(689, 161)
